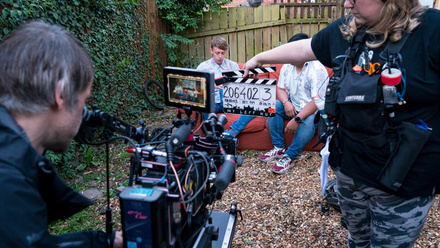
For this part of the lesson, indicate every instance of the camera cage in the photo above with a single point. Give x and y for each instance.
(189, 89)
(160, 167)
(154, 210)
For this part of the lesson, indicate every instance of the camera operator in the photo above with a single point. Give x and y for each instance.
(385, 158)
(45, 78)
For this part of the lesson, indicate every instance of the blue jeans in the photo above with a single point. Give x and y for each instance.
(240, 124)
(219, 106)
(302, 136)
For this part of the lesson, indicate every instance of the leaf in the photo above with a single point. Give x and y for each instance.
(81, 167)
(5, 13)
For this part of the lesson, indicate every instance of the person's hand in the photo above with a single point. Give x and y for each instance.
(291, 126)
(290, 109)
(118, 242)
(218, 86)
(251, 64)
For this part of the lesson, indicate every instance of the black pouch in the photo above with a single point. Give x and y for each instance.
(320, 124)
(330, 107)
(360, 106)
(410, 141)
(335, 148)
(358, 88)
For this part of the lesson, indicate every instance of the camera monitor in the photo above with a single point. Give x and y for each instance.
(189, 89)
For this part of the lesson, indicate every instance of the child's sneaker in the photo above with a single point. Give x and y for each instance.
(283, 165)
(273, 154)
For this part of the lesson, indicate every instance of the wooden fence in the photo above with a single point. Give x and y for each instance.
(250, 31)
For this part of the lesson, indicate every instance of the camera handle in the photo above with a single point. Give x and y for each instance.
(108, 212)
(227, 170)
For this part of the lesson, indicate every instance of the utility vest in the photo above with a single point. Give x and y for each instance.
(359, 103)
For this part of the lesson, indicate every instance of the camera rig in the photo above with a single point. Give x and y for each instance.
(174, 175)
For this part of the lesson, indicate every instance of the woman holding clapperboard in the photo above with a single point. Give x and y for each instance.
(384, 101)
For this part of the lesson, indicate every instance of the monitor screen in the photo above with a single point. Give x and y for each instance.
(189, 89)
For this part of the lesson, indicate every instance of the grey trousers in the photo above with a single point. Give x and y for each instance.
(378, 219)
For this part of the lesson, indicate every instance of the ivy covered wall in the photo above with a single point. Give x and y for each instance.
(118, 37)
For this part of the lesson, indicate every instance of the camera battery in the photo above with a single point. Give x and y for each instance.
(144, 216)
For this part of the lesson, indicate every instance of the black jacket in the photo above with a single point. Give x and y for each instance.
(33, 194)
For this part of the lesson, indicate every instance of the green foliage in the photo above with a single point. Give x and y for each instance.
(115, 36)
(70, 165)
(171, 43)
(179, 15)
(87, 219)
(67, 169)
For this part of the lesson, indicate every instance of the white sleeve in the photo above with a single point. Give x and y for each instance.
(319, 79)
(284, 77)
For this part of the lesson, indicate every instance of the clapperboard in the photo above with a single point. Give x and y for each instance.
(249, 96)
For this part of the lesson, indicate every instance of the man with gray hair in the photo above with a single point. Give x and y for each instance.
(45, 78)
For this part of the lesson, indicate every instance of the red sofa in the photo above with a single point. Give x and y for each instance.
(256, 135)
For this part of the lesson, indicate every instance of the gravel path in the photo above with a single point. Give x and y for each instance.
(284, 210)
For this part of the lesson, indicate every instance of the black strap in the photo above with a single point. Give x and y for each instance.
(391, 52)
(394, 47)
(356, 43)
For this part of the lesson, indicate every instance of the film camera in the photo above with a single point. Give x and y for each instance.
(175, 174)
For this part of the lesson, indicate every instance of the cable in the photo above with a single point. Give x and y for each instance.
(136, 152)
(198, 128)
(206, 179)
(187, 175)
(400, 95)
(179, 186)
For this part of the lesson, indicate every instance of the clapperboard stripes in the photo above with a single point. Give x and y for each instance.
(266, 81)
(237, 76)
(257, 70)
(249, 96)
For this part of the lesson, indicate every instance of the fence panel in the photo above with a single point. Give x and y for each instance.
(241, 35)
(233, 40)
(266, 30)
(258, 19)
(250, 31)
(250, 34)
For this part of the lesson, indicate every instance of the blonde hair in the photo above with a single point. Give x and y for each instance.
(399, 16)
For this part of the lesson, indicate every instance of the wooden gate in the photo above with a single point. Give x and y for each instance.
(250, 31)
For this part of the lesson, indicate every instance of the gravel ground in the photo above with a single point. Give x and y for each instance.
(284, 210)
